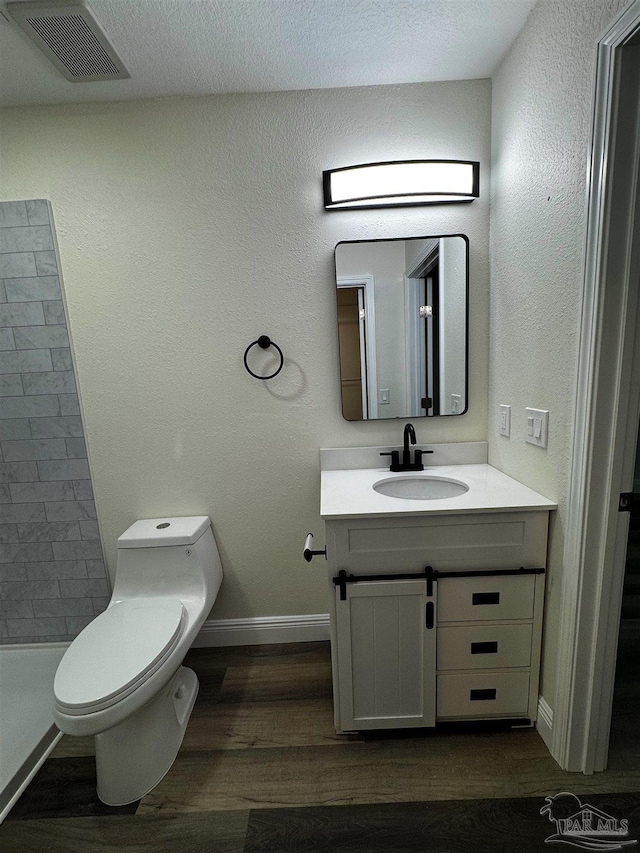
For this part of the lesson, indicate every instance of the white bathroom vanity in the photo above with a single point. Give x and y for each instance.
(436, 602)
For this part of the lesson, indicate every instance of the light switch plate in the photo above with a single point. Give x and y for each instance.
(456, 403)
(505, 420)
(536, 426)
(384, 396)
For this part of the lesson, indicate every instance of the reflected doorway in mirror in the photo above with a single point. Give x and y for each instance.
(403, 326)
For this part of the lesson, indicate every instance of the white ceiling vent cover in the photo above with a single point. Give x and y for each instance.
(70, 37)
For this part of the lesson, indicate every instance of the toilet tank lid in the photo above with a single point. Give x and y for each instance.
(156, 532)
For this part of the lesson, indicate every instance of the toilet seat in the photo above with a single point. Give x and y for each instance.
(116, 652)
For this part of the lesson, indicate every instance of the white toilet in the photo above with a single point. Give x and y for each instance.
(122, 678)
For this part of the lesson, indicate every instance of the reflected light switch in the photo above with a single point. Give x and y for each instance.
(384, 395)
(505, 420)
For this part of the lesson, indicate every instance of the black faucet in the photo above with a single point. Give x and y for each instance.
(407, 464)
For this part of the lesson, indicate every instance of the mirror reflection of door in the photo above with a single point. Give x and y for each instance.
(422, 302)
(352, 335)
(411, 331)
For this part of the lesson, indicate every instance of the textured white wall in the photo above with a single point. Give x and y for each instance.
(385, 262)
(453, 293)
(188, 227)
(540, 136)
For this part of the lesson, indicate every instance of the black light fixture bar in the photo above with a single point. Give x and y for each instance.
(401, 183)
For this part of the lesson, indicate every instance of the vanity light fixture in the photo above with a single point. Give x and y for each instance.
(401, 183)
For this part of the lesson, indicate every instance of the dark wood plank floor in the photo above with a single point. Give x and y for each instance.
(262, 769)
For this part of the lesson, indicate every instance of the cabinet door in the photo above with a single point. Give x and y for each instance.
(386, 655)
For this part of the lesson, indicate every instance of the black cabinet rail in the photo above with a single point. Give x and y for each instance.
(429, 575)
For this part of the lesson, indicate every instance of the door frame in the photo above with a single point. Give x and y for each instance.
(418, 385)
(607, 408)
(366, 282)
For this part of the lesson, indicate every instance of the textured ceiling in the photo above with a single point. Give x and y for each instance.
(196, 47)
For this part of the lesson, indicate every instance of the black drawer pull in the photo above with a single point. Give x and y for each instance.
(475, 695)
(485, 598)
(484, 648)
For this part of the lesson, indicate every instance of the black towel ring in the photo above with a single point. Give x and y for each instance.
(264, 342)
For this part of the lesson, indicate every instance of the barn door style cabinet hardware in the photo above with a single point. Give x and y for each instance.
(415, 644)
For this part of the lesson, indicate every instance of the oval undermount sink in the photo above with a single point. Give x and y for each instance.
(424, 488)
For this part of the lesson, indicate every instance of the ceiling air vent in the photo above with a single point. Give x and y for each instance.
(70, 37)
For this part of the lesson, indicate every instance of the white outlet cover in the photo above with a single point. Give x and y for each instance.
(536, 426)
(505, 420)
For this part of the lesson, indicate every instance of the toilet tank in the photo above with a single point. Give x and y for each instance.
(169, 556)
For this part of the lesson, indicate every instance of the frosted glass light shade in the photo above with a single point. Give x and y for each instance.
(406, 182)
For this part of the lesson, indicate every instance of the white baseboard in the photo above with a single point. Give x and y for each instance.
(545, 722)
(263, 629)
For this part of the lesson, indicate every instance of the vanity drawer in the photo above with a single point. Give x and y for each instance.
(482, 694)
(484, 599)
(484, 646)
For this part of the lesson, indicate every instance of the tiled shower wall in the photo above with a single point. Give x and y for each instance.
(52, 571)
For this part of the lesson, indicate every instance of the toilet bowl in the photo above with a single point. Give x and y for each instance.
(122, 678)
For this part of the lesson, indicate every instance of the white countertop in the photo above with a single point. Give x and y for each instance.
(350, 494)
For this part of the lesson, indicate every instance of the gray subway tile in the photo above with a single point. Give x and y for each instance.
(18, 472)
(38, 212)
(32, 288)
(69, 404)
(5, 495)
(26, 238)
(33, 627)
(49, 383)
(13, 213)
(54, 314)
(31, 449)
(6, 339)
(56, 570)
(82, 550)
(55, 638)
(13, 572)
(3, 295)
(50, 531)
(83, 490)
(15, 513)
(21, 314)
(3, 628)
(10, 385)
(13, 429)
(64, 469)
(34, 492)
(46, 263)
(63, 607)
(18, 264)
(84, 588)
(69, 510)
(100, 605)
(96, 569)
(26, 361)
(56, 427)
(76, 449)
(8, 641)
(31, 407)
(75, 624)
(61, 358)
(41, 337)
(16, 609)
(89, 530)
(35, 552)
(9, 533)
(29, 590)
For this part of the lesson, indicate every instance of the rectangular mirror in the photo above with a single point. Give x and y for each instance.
(403, 326)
